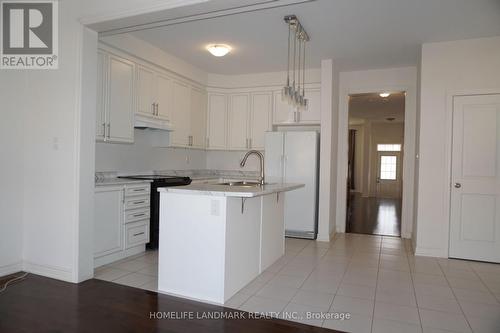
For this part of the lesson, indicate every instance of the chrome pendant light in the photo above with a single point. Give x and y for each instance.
(294, 92)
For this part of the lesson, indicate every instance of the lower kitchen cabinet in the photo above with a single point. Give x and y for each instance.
(121, 223)
(108, 222)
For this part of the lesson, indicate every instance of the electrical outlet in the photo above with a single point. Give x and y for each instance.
(215, 207)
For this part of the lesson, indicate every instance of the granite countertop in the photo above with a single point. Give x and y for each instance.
(119, 181)
(231, 191)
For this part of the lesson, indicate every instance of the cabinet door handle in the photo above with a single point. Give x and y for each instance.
(141, 214)
(139, 190)
(109, 130)
(138, 202)
(139, 233)
(104, 130)
(157, 112)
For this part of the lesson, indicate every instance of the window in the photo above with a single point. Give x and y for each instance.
(388, 166)
(389, 147)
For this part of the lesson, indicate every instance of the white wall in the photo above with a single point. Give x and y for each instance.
(11, 170)
(469, 66)
(392, 79)
(141, 156)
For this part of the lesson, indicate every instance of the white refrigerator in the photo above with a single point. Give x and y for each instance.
(293, 157)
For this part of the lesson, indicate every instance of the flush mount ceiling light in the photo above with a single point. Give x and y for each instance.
(384, 94)
(219, 50)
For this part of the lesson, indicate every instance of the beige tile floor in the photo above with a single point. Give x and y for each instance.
(375, 279)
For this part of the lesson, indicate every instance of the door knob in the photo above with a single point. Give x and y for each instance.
(458, 185)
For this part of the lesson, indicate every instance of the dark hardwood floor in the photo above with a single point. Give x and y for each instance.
(374, 216)
(39, 304)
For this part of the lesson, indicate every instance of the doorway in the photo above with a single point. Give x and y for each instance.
(375, 163)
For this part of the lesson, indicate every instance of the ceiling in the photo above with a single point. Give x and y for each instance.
(358, 34)
(375, 108)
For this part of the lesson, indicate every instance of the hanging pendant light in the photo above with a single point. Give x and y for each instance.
(294, 91)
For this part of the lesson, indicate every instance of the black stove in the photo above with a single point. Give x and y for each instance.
(157, 182)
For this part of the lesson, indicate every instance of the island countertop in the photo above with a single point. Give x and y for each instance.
(232, 191)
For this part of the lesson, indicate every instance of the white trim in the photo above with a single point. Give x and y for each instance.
(54, 272)
(408, 156)
(448, 149)
(11, 268)
(125, 13)
(431, 252)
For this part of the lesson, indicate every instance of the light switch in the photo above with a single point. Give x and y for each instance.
(215, 207)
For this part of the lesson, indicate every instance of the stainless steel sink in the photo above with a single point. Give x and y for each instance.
(241, 184)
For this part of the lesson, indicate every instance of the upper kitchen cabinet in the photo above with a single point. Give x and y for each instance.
(154, 93)
(284, 114)
(198, 118)
(260, 119)
(181, 115)
(216, 122)
(115, 98)
(239, 115)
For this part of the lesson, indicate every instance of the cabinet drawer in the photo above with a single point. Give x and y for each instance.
(137, 202)
(136, 233)
(137, 190)
(136, 215)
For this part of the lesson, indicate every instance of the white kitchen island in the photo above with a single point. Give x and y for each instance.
(215, 239)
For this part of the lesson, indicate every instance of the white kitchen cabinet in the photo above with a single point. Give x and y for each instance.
(145, 91)
(120, 100)
(181, 115)
(198, 118)
(121, 221)
(238, 114)
(260, 119)
(285, 114)
(163, 96)
(154, 93)
(217, 121)
(115, 99)
(108, 221)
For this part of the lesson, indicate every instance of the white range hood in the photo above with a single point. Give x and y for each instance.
(148, 122)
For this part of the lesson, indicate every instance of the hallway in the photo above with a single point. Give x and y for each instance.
(374, 216)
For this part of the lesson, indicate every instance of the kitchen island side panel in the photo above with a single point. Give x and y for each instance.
(192, 246)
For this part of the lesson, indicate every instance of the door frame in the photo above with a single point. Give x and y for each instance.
(450, 99)
(410, 127)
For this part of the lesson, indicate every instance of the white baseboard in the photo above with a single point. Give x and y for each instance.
(11, 268)
(58, 273)
(431, 252)
(107, 259)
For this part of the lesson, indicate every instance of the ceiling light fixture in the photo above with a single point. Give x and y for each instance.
(384, 94)
(219, 50)
(293, 92)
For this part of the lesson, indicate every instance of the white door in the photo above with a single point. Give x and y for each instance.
(475, 182)
(388, 174)
(108, 221)
(145, 90)
(217, 111)
(163, 96)
(120, 100)
(238, 122)
(180, 116)
(260, 119)
(198, 118)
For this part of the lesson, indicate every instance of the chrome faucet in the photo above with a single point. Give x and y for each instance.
(261, 158)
